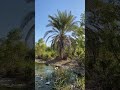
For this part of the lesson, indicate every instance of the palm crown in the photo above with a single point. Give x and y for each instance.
(61, 24)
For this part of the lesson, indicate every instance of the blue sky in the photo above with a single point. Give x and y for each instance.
(43, 8)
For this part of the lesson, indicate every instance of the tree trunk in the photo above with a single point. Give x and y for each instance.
(61, 53)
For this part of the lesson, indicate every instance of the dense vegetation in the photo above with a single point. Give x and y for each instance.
(47, 52)
(16, 58)
(103, 47)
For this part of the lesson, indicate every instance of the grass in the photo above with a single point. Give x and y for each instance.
(66, 80)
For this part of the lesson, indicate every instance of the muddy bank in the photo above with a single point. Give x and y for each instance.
(59, 63)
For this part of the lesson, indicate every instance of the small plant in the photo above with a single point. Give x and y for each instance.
(80, 83)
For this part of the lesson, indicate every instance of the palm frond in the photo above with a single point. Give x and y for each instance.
(50, 31)
(27, 18)
(61, 23)
(51, 36)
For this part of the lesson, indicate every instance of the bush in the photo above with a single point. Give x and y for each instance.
(67, 80)
(16, 61)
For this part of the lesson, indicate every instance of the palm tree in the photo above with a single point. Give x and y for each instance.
(28, 21)
(79, 35)
(62, 23)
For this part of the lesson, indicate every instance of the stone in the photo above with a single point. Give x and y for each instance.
(47, 83)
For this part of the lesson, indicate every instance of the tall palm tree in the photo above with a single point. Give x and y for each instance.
(61, 23)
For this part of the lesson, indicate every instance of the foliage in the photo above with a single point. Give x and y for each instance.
(62, 23)
(78, 44)
(66, 80)
(67, 38)
(15, 57)
(42, 51)
(103, 47)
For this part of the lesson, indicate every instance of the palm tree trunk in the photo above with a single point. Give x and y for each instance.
(61, 53)
(61, 47)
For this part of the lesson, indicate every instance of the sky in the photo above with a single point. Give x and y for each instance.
(12, 14)
(43, 8)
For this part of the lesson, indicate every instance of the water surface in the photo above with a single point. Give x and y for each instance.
(43, 77)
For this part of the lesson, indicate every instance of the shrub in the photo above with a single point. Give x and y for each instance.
(62, 78)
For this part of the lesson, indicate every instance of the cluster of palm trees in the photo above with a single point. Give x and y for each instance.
(65, 33)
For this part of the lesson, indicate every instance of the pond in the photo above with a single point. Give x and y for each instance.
(43, 77)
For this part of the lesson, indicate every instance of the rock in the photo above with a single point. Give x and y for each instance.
(56, 68)
(47, 83)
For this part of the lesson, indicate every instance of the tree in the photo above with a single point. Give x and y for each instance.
(40, 47)
(14, 35)
(62, 23)
(102, 45)
(79, 35)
